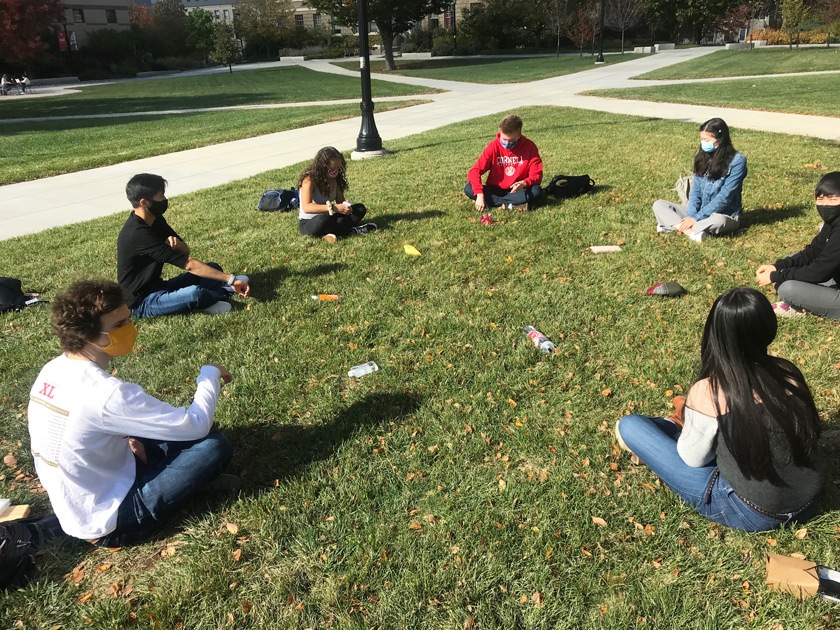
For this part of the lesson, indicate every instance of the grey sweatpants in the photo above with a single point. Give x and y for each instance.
(668, 214)
(818, 299)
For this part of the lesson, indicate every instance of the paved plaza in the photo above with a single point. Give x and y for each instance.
(33, 206)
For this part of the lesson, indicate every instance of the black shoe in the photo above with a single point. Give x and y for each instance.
(365, 229)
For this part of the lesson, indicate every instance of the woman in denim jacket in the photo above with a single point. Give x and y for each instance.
(714, 204)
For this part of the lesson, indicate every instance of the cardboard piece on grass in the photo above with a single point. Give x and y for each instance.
(667, 289)
(801, 578)
(14, 512)
(605, 249)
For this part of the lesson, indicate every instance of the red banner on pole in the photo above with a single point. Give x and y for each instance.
(62, 41)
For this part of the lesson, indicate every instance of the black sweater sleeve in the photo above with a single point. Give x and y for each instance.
(818, 262)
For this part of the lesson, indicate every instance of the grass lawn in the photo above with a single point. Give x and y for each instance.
(485, 70)
(39, 149)
(795, 95)
(738, 63)
(274, 85)
(456, 487)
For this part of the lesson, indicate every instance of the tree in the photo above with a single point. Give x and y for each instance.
(829, 12)
(735, 19)
(21, 25)
(260, 21)
(582, 30)
(556, 14)
(225, 47)
(660, 16)
(622, 15)
(140, 15)
(392, 17)
(794, 15)
(170, 26)
(201, 34)
(697, 17)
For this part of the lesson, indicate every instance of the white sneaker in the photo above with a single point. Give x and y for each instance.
(783, 309)
(698, 237)
(218, 308)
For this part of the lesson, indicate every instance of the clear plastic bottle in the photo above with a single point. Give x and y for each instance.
(358, 371)
(539, 340)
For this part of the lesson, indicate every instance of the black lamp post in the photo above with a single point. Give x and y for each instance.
(368, 143)
(600, 57)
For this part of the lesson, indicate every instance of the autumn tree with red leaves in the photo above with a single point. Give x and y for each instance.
(582, 29)
(22, 22)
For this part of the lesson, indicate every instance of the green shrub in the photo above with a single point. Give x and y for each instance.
(443, 45)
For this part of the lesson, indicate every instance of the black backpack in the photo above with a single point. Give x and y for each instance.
(566, 186)
(12, 297)
(17, 548)
(279, 200)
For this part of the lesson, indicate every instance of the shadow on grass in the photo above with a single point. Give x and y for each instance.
(385, 221)
(90, 104)
(270, 452)
(767, 216)
(266, 453)
(266, 281)
(830, 443)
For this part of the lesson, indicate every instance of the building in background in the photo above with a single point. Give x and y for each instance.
(221, 11)
(451, 15)
(82, 18)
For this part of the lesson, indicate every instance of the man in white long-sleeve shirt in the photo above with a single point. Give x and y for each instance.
(114, 460)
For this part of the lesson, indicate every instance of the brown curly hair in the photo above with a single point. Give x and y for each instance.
(76, 313)
(317, 171)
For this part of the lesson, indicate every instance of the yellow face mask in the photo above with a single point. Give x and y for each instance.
(120, 340)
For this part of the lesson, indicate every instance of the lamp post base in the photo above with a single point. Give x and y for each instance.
(366, 155)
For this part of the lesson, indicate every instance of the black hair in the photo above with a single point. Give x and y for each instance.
(144, 186)
(733, 353)
(715, 165)
(319, 167)
(829, 185)
(76, 313)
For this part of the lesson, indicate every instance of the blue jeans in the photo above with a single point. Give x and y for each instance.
(654, 441)
(185, 293)
(495, 196)
(175, 471)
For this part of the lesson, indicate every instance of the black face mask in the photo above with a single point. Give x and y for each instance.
(157, 208)
(828, 213)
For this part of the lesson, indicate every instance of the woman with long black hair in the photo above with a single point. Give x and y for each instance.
(747, 456)
(714, 202)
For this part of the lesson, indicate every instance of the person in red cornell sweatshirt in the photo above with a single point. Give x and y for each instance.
(515, 169)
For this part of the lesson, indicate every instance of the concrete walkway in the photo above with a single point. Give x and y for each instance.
(37, 205)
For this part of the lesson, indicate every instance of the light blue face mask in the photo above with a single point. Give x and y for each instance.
(509, 144)
(708, 147)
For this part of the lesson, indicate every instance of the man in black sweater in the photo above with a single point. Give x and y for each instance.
(147, 242)
(810, 280)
